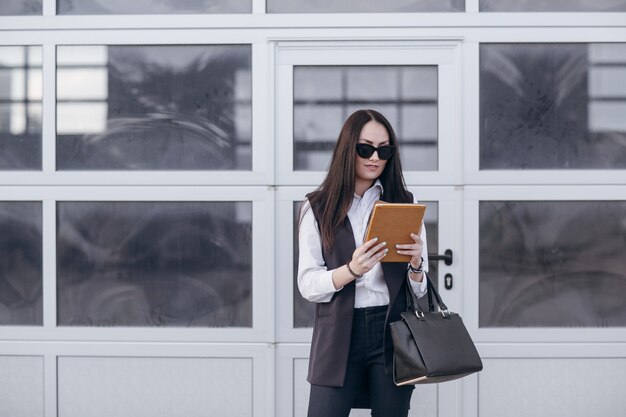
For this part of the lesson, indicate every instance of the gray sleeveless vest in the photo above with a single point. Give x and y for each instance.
(332, 330)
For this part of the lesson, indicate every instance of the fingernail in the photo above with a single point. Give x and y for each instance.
(384, 243)
(386, 250)
(375, 239)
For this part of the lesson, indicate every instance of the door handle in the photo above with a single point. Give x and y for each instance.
(446, 257)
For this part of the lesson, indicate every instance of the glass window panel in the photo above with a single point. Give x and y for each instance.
(35, 85)
(365, 6)
(170, 264)
(304, 311)
(83, 56)
(552, 264)
(423, 75)
(12, 56)
(185, 107)
(15, 86)
(20, 7)
(152, 6)
(318, 83)
(21, 263)
(360, 86)
(548, 106)
(419, 122)
(431, 220)
(82, 84)
(607, 117)
(81, 119)
(324, 96)
(13, 83)
(552, 5)
(608, 82)
(20, 107)
(607, 53)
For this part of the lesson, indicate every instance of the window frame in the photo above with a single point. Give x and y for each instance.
(261, 140)
(473, 175)
(444, 54)
(473, 195)
(262, 242)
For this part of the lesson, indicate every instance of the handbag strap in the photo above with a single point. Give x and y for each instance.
(411, 299)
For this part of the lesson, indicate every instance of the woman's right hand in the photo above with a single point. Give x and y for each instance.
(366, 256)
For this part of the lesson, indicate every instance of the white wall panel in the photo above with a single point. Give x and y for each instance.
(154, 387)
(21, 386)
(570, 387)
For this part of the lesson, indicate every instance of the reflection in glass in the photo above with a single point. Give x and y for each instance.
(154, 107)
(324, 96)
(364, 6)
(178, 264)
(552, 263)
(304, 311)
(553, 106)
(552, 5)
(20, 7)
(152, 6)
(20, 107)
(20, 263)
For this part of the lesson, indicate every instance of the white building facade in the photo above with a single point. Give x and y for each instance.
(153, 155)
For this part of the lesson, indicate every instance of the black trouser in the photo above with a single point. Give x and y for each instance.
(365, 366)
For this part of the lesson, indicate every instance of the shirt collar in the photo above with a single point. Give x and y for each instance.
(377, 185)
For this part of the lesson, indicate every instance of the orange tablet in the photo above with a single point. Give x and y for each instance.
(393, 223)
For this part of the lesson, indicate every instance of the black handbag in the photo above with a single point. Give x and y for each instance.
(432, 346)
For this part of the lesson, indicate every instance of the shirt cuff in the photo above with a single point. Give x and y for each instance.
(419, 288)
(326, 283)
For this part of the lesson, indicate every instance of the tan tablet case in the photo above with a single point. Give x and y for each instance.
(393, 223)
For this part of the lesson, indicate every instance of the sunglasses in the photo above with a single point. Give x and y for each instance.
(384, 152)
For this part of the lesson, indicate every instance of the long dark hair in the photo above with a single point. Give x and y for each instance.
(336, 192)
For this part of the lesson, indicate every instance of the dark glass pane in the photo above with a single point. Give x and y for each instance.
(304, 311)
(21, 263)
(552, 5)
(154, 107)
(20, 107)
(325, 96)
(364, 6)
(154, 264)
(152, 6)
(553, 106)
(431, 220)
(20, 7)
(552, 263)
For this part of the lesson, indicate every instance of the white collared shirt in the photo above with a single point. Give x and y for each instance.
(315, 281)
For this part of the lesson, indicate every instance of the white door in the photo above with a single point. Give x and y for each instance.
(417, 85)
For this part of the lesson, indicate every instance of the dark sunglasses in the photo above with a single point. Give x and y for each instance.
(384, 152)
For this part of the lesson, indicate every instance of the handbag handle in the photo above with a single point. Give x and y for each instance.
(431, 290)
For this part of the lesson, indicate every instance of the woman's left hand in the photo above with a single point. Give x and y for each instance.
(413, 249)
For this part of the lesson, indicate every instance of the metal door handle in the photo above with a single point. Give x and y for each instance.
(446, 257)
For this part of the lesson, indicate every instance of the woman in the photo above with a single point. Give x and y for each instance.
(356, 295)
